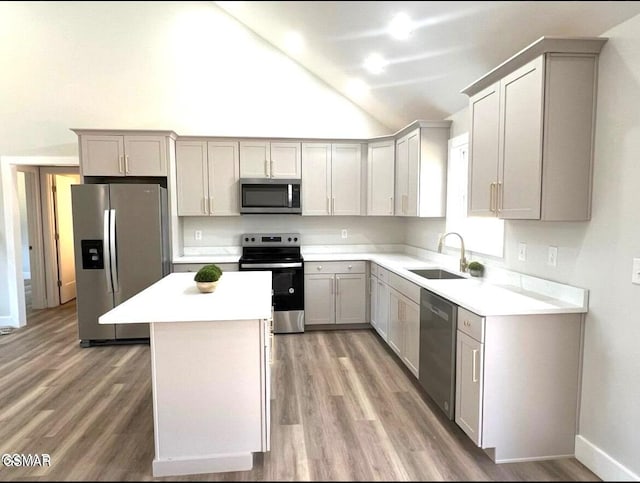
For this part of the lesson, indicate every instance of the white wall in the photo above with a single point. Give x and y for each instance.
(597, 255)
(315, 230)
(185, 66)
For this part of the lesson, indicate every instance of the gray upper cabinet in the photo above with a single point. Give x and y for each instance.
(123, 155)
(532, 131)
(207, 175)
(380, 177)
(331, 179)
(265, 159)
(421, 170)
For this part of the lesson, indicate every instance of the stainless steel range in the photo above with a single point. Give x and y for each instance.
(279, 253)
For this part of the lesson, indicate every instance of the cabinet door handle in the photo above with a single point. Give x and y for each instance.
(474, 376)
(126, 164)
(333, 206)
(328, 207)
(266, 168)
(499, 196)
(391, 205)
(492, 189)
(319, 267)
(337, 286)
(120, 163)
(271, 169)
(204, 205)
(211, 205)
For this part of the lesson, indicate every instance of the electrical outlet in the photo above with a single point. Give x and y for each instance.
(344, 233)
(635, 278)
(198, 235)
(552, 258)
(522, 252)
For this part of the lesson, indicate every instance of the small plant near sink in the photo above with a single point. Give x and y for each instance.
(207, 278)
(476, 269)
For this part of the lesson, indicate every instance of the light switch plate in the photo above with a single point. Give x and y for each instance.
(198, 235)
(635, 278)
(522, 252)
(552, 258)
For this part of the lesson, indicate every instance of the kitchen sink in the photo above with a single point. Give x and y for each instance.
(436, 273)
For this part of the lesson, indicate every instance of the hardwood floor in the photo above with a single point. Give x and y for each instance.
(342, 409)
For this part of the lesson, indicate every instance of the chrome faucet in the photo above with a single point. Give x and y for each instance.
(463, 260)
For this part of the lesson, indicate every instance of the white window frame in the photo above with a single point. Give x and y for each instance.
(482, 234)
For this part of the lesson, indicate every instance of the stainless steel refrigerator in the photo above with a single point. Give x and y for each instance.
(121, 243)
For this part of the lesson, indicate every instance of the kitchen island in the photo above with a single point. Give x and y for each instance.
(210, 356)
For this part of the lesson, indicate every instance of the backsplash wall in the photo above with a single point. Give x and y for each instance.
(315, 230)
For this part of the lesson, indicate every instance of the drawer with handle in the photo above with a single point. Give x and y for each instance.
(471, 324)
(334, 267)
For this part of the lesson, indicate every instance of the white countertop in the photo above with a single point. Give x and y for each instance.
(175, 298)
(475, 294)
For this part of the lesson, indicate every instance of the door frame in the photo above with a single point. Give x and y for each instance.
(12, 274)
(34, 219)
(49, 231)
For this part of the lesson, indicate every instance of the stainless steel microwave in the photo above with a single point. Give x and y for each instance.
(268, 195)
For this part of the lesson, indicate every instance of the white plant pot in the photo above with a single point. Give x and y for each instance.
(207, 287)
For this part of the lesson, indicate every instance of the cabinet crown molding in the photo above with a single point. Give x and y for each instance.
(544, 45)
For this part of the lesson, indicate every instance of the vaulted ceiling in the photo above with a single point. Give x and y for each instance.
(451, 45)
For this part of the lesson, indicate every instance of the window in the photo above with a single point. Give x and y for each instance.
(481, 234)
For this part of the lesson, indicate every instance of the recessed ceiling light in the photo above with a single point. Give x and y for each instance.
(356, 88)
(293, 42)
(401, 26)
(375, 63)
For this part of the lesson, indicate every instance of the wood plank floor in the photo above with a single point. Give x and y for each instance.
(342, 409)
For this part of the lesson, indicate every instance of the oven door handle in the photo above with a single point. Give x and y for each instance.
(271, 265)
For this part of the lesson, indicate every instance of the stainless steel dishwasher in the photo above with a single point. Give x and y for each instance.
(438, 349)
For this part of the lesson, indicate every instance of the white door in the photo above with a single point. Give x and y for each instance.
(469, 382)
(285, 160)
(145, 156)
(411, 321)
(192, 178)
(351, 295)
(381, 175)
(64, 239)
(224, 176)
(254, 159)
(316, 179)
(402, 176)
(396, 335)
(346, 163)
(319, 299)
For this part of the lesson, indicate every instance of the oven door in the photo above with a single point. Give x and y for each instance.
(287, 281)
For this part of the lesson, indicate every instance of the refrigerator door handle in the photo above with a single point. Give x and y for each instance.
(112, 250)
(107, 253)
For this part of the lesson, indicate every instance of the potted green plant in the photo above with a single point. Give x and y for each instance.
(207, 278)
(476, 269)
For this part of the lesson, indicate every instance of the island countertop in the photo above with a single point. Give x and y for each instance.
(175, 298)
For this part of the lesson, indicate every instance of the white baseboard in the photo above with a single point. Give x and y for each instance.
(601, 463)
(7, 321)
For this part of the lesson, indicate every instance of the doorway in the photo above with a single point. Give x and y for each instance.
(58, 234)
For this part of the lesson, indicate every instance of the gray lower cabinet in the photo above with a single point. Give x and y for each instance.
(335, 293)
(469, 358)
(404, 329)
(516, 400)
(194, 267)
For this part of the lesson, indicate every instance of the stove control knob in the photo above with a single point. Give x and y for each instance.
(253, 239)
(289, 238)
(295, 239)
(291, 290)
(246, 238)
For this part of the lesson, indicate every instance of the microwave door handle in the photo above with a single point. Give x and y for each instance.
(290, 194)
